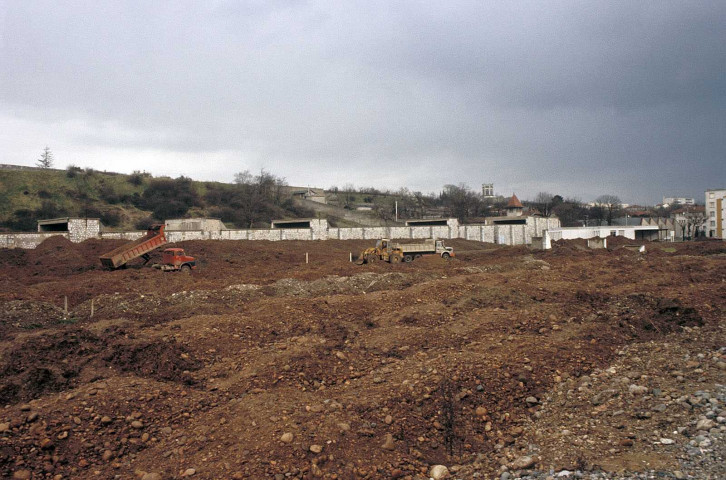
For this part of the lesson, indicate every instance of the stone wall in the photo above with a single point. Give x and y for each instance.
(501, 234)
(122, 235)
(26, 240)
(204, 224)
(80, 229)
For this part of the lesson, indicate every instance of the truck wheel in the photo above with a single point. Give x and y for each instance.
(445, 256)
(186, 269)
(395, 259)
(408, 259)
(417, 256)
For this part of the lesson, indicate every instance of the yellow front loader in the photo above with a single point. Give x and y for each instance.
(383, 251)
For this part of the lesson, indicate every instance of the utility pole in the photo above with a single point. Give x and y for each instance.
(396, 211)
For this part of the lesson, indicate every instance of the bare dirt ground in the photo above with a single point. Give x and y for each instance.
(258, 365)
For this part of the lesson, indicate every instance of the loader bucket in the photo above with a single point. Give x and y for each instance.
(361, 260)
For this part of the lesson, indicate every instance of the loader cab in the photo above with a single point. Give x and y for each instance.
(382, 244)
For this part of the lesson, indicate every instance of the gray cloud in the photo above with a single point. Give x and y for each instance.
(577, 98)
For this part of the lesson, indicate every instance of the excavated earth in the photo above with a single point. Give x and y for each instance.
(500, 363)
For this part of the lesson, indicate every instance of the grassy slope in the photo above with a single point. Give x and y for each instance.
(28, 189)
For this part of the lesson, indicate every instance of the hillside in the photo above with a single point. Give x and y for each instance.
(126, 202)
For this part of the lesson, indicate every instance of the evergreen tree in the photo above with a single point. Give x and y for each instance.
(46, 159)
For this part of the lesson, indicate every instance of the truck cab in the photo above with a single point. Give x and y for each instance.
(175, 259)
(442, 249)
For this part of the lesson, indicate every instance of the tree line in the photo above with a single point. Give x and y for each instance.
(467, 205)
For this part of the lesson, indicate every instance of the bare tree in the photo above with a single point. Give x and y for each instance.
(683, 223)
(461, 202)
(697, 224)
(255, 195)
(544, 202)
(570, 211)
(611, 204)
(691, 223)
(46, 159)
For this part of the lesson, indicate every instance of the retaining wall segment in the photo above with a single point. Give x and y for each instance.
(500, 234)
(26, 240)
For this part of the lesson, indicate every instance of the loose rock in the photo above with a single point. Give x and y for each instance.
(438, 472)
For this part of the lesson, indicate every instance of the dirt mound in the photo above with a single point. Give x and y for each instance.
(46, 363)
(13, 257)
(56, 362)
(155, 359)
(640, 315)
(335, 285)
(569, 247)
(614, 242)
(53, 244)
(28, 315)
(57, 256)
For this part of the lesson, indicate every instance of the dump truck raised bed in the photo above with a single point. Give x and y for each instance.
(153, 239)
(388, 251)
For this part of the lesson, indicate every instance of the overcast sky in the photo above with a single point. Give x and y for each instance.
(577, 98)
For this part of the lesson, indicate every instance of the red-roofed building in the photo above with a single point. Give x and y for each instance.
(514, 207)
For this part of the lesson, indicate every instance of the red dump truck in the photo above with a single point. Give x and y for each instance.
(174, 259)
(153, 239)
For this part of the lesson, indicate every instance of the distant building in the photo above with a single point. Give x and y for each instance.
(487, 190)
(716, 213)
(668, 201)
(648, 231)
(311, 194)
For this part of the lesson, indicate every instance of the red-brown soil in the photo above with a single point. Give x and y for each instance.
(389, 369)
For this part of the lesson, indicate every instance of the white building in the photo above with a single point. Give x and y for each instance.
(678, 201)
(640, 232)
(716, 213)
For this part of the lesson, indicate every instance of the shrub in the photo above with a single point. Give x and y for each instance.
(168, 198)
(49, 209)
(23, 220)
(137, 177)
(112, 218)
(144, 223)
(72, 171)
(89, 211)
(108, 194)
(226, 214)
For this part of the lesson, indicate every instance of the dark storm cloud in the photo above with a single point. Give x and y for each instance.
(577, 98)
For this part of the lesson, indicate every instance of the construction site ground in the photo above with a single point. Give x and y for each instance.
(260, 365)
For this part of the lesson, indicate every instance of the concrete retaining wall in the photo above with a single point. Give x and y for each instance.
(26, 240)
(501, 234)
(597, 242)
